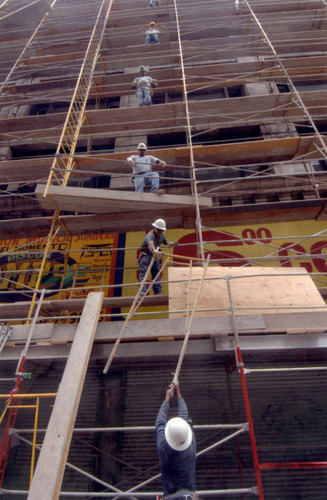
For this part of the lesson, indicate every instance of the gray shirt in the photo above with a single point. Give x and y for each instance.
(143, 164)
(157, 240)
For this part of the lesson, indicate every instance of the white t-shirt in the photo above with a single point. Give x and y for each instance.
(152, 31)
(143, 82)
(143, 163)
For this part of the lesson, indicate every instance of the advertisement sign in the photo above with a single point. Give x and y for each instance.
(74, 267)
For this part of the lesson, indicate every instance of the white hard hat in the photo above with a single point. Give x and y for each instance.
(142, 146)
(178, 434)
(159, 224)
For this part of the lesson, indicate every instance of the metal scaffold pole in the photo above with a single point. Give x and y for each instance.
(240, 366)
(189, 137)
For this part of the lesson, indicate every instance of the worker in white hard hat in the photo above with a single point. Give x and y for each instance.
(151, 242)
(176, 448)
(152, 34)
(144, 85)
(142, 170)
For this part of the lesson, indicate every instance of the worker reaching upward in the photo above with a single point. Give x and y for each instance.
(143, 85)
(176, 448)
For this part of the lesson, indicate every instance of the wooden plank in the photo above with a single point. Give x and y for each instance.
(255, 288)
(152, 329)
(58, 307)
(222, 113)
(112, 201)
(51, 463)
(175, 218)
(276, 149)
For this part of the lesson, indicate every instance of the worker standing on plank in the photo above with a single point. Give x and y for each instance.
(152, 34)
(142, 170)
(152, 240)
(143, 85)
(176, 448)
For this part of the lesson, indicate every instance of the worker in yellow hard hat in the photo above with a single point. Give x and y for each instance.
(152, 34)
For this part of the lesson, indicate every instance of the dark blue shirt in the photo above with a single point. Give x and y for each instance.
(177, 467)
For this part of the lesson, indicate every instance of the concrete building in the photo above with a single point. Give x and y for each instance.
(239, 118)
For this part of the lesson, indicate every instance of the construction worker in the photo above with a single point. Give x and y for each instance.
(152, 241)
(154, 3)
(176, 448)
(152, 34)
(143, 85)
(142, 170)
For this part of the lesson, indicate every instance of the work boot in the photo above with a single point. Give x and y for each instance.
(159, 191)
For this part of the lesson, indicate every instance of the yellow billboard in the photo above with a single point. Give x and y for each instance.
(286, 244)
(74, 267)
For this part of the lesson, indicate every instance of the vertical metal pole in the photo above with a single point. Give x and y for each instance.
(189, 138)
(34, 438)
(237, 443)
(239, 363)
(251, 427)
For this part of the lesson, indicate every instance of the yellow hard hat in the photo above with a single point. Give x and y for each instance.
(152, 24)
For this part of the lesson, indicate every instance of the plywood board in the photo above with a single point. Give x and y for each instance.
(253, 289)
(50, 467)
(112, 201)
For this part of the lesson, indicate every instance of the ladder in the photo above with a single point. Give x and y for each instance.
(63, 162)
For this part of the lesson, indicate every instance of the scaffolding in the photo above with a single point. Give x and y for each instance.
(202, 104)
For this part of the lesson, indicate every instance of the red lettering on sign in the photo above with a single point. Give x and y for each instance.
(289, 250)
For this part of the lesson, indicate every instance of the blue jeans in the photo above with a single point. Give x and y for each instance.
(149, 178)
(144, 263)
(144, 97)
(151, 38)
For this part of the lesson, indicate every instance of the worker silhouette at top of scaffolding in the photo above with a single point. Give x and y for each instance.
(151, 34)
(142, 170)
(238, 3)
(144, 85)
(176, 446)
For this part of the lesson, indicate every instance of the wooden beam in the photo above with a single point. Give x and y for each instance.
(276, 149)
(63, 307)
(177, 218)
(153, 329)
(112, 201)
(51, 464)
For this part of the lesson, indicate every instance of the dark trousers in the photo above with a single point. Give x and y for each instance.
(144, 263)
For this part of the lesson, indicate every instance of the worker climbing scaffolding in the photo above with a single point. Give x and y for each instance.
(152, 241)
